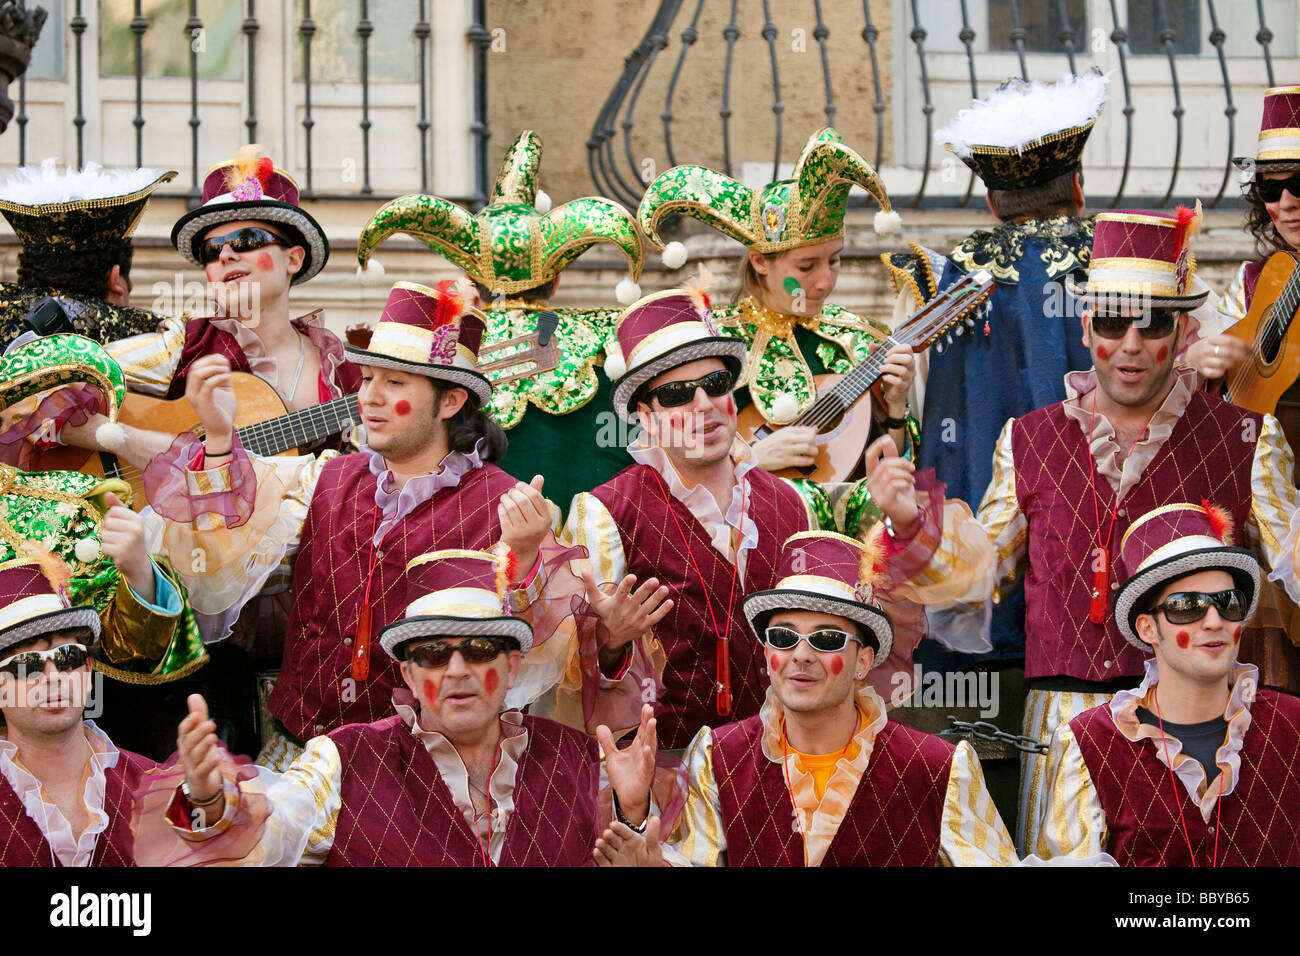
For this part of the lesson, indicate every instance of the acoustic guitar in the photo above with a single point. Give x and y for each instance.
(843, 425)
(1274, 361)
(262, 423)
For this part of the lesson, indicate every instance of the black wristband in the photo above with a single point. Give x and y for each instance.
(219, 454)
(891, 423)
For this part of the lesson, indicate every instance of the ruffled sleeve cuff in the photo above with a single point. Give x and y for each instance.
(181, 490)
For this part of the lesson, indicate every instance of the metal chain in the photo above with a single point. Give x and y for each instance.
(987, 731)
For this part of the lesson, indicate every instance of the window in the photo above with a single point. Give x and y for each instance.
(47, 55)
(1041, 22)
(336, 48)
(1181, 16)
(166, 46)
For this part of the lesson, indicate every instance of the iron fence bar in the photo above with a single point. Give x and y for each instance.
(769, 34)
(1066, 36)
(482, 39)
(689, 36)
(967, 37)
(821, 33)
(307, 30)
(192, 26)
(1119, 36)
(1217, 36)
(656, 40)
(1018, 34)
(364, 29)
(249, 28)
(870, 34)
(422, 33)
(1166, 37)
(918, 36)
(78, 25)
(597, 157)
(21, 119)
(731, 33)
(138, 26)
(1264, 37)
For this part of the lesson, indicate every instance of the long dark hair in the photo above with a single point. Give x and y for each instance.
(1259, 223)
(467, 426)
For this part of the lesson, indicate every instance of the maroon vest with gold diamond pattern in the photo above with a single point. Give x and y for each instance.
(1208, 455)
(894, 818)
(1257, 823)
(25, 845)
(315, 693)
(653, 546)
(396, 810)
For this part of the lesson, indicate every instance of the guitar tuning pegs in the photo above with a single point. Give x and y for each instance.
(948, 339)
(970, 322)
(938, 346)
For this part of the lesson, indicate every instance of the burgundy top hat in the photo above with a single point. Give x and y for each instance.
(1279, 133)
(36, 602)
(1143, 258)
(456, 594)
(827, 572)
(1171, 542)
(251, 187)
(660, 332)
(433, 332)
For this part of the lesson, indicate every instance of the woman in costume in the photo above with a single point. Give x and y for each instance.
(794, 232)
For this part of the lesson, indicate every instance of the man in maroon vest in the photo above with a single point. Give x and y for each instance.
(821, 776)
(65, 789)
(1070, 478)
(694, 521)
(1196, 766)
(449, 780)
(424, 481)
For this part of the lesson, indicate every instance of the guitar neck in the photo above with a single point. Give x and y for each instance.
(855, 384)
(301, 428)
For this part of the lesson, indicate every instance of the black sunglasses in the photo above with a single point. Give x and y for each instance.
(475, 650)
(1187, 607)
(1152, 324)
(66, 657)
(675, 394)
(241, 240)
(1270, 190)
(826, 639)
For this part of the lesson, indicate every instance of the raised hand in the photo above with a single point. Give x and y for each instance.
(620, 845)
(123, 538)
(209, 388)
(892, 483)
(627, 614)
(200, 755)
(632, 769)
(525, 521)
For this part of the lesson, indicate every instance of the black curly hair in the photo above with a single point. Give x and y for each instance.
(1259, 223)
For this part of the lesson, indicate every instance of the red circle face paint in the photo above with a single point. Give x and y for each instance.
(1163, 353)
(1236, 634)
(402, 407)
(1103, 352)
(1182, 638)
(264, 261)
(836, 664)
(491, 681)
(430, 690)
(774, 663)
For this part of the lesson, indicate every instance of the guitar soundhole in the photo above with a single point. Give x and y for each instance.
(1270, 342)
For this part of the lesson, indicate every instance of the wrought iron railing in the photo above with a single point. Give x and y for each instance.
(617, 122)
(305, 28)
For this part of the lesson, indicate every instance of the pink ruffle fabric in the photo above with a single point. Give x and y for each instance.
(162, 837)
(71, 404)
(615, 704)
(172, 488)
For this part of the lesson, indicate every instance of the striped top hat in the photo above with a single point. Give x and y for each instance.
(1171, 542)
(35, 598)
(831, 573)
(660, 332)
(457, 593)
(1144, 259)
(433, 332)
(1278, 150)
(250, 187)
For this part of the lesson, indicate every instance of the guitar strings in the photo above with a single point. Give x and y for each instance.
(1270, 340)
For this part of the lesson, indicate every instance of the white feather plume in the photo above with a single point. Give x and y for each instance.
(1018, 115)
(44, 184)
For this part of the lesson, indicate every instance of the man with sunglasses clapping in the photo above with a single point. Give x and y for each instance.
(1197, 766)
(1070, 479)
(693, 513)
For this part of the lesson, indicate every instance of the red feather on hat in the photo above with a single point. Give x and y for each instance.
(449, 304)
(1221, 522)
(1188, 221)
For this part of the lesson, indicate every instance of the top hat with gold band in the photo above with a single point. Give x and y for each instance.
(517, 241)
(786, 214)
(1026, 134)
(63, 214)
(34, 602)
(1172, 542)
(456, 593)
(433, 332)
(250, 187)
(1278, 150)
(1143, 259)
(826, 572)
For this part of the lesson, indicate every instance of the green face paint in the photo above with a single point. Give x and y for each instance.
(791, 286)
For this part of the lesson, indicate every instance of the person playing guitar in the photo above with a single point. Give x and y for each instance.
(782, 310)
